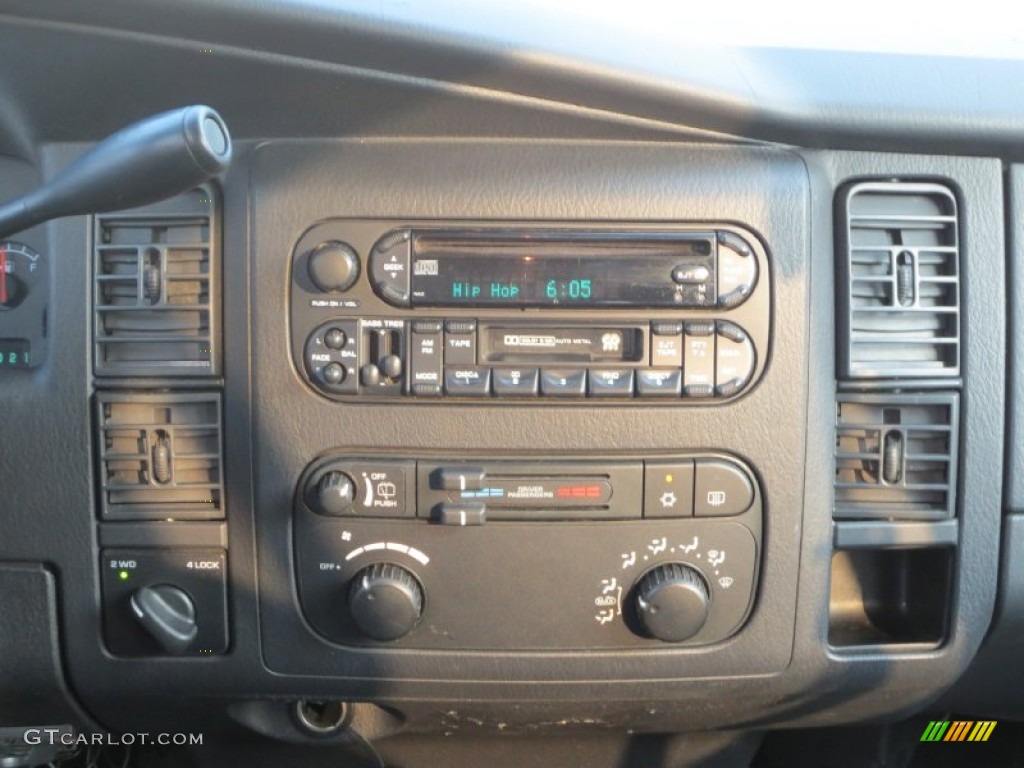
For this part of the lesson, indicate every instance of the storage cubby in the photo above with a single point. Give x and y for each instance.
(883, 596)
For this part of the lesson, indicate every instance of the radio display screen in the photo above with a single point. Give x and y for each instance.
(558, 269)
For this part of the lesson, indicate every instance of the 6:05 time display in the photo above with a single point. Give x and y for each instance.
(569, 289)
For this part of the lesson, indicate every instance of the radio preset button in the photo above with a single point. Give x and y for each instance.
(734, 359)
(516, 382)
(563, 382)
(737, 270)
(668, 488)
(721, 489)
(653, 382)
(467, 381)
(389, 268)
(611, 382)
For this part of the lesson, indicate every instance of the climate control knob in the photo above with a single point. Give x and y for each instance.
(334, 494)
(672, 602)
(386, 601)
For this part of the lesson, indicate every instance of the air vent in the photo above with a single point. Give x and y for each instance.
(896, 456)
(156, 286)
(160, 456)
(900, 292)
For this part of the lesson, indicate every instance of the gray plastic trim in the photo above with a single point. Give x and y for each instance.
(891, 535)
(164, 534)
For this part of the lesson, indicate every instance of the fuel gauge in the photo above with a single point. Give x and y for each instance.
(19, 273)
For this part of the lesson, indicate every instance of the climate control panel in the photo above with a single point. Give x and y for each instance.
(530, 554)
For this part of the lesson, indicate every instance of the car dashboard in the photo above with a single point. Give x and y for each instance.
(512, 396)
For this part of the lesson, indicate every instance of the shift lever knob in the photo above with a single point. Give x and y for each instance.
(151, 160)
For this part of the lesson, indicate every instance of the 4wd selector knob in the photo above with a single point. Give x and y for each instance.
(672, 602)
(386, 601)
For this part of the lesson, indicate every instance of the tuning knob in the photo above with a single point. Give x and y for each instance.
(333, 266)
(672, 602)
(386, 601)
(334, 494)
(168, 614)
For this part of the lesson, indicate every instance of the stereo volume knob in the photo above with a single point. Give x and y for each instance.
(385, 601)
(333, 266)
(672, 602)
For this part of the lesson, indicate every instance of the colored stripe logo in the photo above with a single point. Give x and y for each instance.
(958, 730)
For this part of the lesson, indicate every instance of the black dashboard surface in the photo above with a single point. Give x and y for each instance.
(445, 113)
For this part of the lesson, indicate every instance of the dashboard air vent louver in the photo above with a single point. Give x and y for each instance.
(160, 456)
(900, 291)
(896, 456)
(156, 282)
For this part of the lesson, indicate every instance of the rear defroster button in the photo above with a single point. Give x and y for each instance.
(720, 489)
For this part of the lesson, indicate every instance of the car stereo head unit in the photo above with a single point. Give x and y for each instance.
(544, 310)
(570, 270)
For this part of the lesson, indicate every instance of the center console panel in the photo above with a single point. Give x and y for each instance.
(525, 362)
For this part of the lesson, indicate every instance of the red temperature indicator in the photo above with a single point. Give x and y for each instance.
(579, 492)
